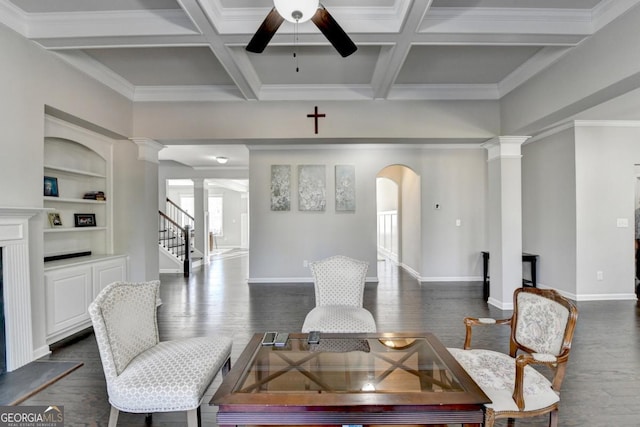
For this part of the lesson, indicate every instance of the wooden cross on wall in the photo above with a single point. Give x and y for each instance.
(315, 116)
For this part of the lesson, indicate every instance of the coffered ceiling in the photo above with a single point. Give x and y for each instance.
(194, 50)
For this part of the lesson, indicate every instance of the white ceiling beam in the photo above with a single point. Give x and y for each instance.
(247, 85)
(111, 23)
(391, 60)
(508, 21)
(121, 42)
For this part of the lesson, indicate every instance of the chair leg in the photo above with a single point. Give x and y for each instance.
(553, 418)
(113, 416)
(226, 367)
(489, 418)
(148, 419)
(192, 418)
(511, 422)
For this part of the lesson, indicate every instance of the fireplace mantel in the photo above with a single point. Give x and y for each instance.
(14, 239)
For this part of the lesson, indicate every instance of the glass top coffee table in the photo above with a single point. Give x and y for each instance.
(399, 378)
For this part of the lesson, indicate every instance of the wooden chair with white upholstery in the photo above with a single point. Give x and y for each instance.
(145, 375)
(339, 283)
(542, 327)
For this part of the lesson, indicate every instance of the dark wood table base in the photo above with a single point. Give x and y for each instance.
(468, 418)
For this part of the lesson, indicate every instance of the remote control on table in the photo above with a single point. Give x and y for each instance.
(281, 339)
(314, 337)
(269, 338)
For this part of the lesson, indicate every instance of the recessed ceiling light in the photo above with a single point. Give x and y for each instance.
(222, 160)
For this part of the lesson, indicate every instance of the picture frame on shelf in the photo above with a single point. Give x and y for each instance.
(51, 186)
(55, 220)
(85, 219)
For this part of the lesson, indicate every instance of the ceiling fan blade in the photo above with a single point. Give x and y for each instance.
(269, 26)
(333, 32)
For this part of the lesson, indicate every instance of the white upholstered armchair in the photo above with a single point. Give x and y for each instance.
(339, 290)
(143, 374)
(542, 327)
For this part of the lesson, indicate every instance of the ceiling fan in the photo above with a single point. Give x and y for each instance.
(298, 11)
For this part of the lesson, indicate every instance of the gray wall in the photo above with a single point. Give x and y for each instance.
(281, 241)
(411, 224)
(457, 181)
(135, 212)
(577, 184)
(605, 173)
(549, 209)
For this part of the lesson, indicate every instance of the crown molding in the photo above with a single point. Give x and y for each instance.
(363, 146)
(315, 93)
(96, 70)
(13, 17)
(572, 124)
(608, 10)
(607, 123)
(534, 65)
(449, 92)
(195, 93)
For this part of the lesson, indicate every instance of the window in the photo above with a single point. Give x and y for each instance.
(215, 215)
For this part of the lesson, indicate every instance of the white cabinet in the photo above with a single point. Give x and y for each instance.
(71, 285)
(68, 294)
(106, 272)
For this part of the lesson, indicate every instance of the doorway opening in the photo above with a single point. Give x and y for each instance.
(398, 200)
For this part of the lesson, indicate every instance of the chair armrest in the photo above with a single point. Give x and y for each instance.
(469, 322)
(533, 359)
(544, 357)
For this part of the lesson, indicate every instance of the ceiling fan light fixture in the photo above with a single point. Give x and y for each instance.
(296, 10)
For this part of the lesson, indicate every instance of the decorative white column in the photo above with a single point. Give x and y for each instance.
(14, 241)
(200, 206)
(505, 218)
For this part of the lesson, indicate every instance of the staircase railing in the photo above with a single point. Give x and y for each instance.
(176, 239)
(179, 215)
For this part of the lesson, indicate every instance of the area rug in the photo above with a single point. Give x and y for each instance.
(24, 382)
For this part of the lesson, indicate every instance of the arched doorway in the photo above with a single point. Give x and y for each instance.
(398, 201)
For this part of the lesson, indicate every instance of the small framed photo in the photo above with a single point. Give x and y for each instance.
(51, 186)
(85, 219)
(55, 220)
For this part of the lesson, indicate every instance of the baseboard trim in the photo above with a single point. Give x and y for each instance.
(452, 279)
(41, 352)
(295, 280)
(606, 297)
(280, 280)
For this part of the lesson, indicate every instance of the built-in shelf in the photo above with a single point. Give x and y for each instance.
(74, 171)
(73, 200)
(73, 229)
(78, 261)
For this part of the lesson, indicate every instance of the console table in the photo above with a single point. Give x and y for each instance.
(532, 259)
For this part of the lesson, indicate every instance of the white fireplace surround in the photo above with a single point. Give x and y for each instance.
(14, 241)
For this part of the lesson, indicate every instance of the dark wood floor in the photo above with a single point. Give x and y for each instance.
(602, 387)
